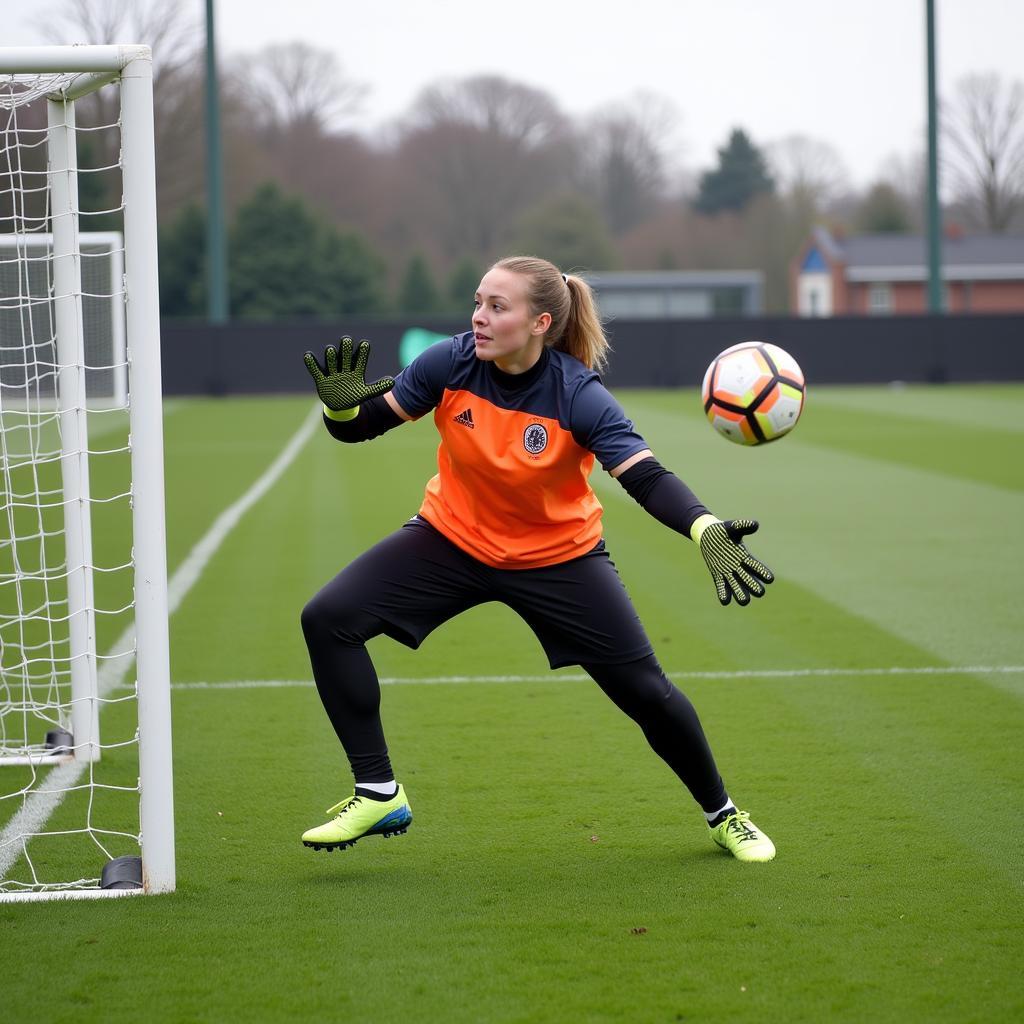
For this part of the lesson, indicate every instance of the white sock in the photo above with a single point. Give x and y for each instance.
(384, 788)
(714, 814)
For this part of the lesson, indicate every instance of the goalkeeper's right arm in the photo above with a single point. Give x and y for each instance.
(736, 573)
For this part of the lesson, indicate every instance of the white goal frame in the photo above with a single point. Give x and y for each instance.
(84, 69)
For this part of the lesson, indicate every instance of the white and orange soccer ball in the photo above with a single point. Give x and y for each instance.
(753, 392)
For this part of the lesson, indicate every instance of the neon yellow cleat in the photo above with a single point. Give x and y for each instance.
(359, 816)
(743, 839)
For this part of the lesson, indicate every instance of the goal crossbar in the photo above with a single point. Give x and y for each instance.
(83, 68)
(78, 58)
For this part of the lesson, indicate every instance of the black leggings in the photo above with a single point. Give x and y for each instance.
(669, 722)
(348, 686)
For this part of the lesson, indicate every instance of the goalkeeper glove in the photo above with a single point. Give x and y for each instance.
(736, 572)
(342, 387)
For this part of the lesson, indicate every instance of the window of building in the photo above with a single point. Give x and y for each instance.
(728, 301)
(880, 298)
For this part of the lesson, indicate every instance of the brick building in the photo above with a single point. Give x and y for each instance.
(888, 275)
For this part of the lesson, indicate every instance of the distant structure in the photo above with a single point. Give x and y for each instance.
(887, 275)
(677, 294)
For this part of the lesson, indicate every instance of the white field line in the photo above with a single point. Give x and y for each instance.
(781, 673)
(40, 804)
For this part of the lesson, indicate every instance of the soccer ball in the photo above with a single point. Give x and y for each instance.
(753, 392)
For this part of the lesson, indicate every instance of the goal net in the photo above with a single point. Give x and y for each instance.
(85, 757)
(27, 311)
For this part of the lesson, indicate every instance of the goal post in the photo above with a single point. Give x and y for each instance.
(83, 597)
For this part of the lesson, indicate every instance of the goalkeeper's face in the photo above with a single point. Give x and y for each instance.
(505, 330)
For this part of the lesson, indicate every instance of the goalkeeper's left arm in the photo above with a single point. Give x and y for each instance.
(736, 573)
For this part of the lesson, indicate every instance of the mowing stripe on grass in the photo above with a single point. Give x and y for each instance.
(781, 673)
(40, 804)
(937, 580)
(988, 407)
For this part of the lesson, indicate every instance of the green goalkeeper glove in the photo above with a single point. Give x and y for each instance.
(736, 572)
(342, 387)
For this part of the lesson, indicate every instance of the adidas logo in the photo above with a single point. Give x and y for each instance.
(466, 419)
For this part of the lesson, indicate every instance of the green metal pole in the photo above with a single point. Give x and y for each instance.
(934, 214)
(216, 243)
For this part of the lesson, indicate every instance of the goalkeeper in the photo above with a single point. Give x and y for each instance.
(510, 516)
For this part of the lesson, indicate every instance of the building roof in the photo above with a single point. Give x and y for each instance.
(906, 250)
(905, 257)
(644, 279)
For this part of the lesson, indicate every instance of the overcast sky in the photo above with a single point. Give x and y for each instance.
(852, 74)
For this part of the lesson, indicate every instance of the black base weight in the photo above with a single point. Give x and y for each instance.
(59, 741)
(122, 873)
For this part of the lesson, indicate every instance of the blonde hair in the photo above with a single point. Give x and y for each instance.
(575, 324)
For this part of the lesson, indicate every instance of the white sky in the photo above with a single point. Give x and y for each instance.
(850, 73)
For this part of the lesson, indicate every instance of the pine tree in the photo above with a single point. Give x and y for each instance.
(286, 262)
(462, 285)
(418, 293)
(351, 273)
(883, 211)
(741, 174)
(182, 247)
(570, 232)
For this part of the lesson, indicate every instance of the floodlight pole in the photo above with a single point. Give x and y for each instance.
(935, 303)
(216, 247)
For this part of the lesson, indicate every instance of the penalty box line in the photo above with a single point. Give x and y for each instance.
(782, 673)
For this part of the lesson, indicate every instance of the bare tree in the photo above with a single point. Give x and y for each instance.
(174, 35)
(295, 85)
(176, 38)
(493, 105)
(475, 154)
(626, 151)
(984, 129)
(808, 172)
(908, 176)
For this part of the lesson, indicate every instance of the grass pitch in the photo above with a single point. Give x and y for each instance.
(868, 712)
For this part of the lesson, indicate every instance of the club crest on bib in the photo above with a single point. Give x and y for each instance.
(535, 438)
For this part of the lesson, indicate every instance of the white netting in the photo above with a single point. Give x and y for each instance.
(26, 312)
(66, 573)
(20, 90)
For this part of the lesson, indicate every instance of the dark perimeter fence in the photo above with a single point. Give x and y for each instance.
(262, 357)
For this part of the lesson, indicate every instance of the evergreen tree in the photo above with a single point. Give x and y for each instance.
(351, 274)
(462, 285)
(273, 269)
(286, 262)
(182, 253)
(883, 211)
(99, 191)
(570, 232)
(741, 175)
(418, 293)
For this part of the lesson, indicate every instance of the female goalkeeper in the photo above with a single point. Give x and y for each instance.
(511, 517)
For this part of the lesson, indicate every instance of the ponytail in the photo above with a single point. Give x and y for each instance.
(584, 336)
(575, 324)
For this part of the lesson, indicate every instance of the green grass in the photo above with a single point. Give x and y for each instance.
(555, 870)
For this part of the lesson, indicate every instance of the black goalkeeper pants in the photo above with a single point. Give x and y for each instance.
(416, 579)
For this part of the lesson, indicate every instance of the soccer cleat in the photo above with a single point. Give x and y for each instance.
(359, 816)
(743, 839)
